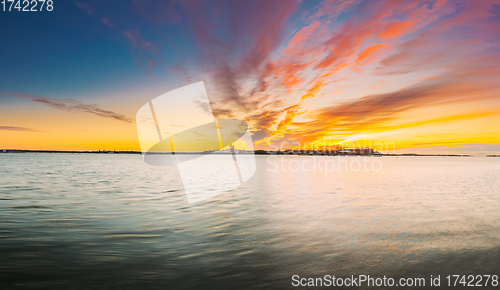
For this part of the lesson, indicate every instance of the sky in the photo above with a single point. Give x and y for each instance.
(414, 76)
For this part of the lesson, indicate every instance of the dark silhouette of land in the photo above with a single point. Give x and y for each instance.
(349, 152)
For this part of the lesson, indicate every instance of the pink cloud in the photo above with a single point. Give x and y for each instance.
(107, 22)
(137, 41)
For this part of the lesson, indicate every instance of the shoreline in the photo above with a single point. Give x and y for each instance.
(256, 152)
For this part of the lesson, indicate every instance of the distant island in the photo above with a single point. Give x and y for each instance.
(343, 152)
(68, 151)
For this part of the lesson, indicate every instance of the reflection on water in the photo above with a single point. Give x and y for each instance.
(112, 221)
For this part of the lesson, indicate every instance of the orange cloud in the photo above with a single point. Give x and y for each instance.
(368, 52)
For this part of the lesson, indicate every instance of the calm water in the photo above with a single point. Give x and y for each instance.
(112, 221)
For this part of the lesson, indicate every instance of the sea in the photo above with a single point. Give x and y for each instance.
(111, 221)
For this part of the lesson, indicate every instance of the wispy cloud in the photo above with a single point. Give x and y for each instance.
(137, 40)
(22, 129)
(70, 105)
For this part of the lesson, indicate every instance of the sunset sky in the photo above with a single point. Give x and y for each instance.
(423, 75)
